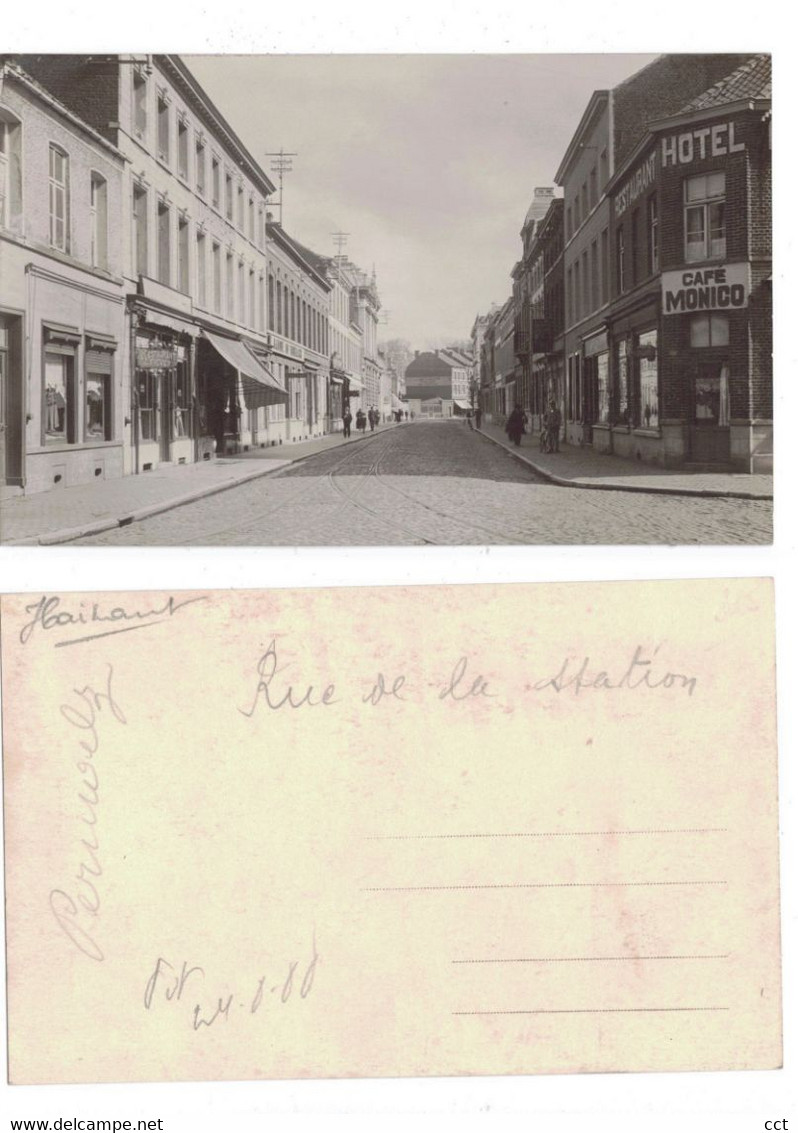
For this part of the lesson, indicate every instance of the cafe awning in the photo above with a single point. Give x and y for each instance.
(259, 384)
(462, 404)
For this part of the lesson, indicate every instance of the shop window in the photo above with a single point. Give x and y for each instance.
(653, 235)
(603, 384)
(97, 407)
(163, 128)
(215, 182)
(622, 380)
(146, 388)
(164, 244)
(140, 228)
(182, 399)
(98, 210)
(59, 396)
(59, 199)
(648, 387)
(139, 102)
(10, 173)
(705, 217)
(709, 330)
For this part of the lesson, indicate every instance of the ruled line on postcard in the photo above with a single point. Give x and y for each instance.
(548, 834)
(533, 885)
(586, 959)
(590, 1011)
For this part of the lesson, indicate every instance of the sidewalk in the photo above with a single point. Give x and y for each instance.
(575, 467)
(87, 509)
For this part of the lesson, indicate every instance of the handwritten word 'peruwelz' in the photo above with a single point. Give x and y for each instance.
(76, 912)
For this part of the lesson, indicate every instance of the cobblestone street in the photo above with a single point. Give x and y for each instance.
(436, 483)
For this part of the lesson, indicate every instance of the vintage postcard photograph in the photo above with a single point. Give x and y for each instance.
(381, 300)
(297, 834)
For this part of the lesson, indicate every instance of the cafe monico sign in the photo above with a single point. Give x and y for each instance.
(722, 288)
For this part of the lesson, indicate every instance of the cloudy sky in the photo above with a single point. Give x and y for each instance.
(428, 161)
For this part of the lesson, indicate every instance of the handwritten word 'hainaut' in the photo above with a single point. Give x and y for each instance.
(47, 614)
(76, 913)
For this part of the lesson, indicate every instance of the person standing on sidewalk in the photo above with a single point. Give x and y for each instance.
(552, 421)
(360, 421)
(479, 417)
(372, 418)
(347, 422)
(516, 422)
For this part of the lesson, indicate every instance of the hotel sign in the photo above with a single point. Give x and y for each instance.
(722, 288)
(697, 145)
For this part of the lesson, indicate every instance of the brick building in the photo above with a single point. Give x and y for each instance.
(688, 371)
(611, 127)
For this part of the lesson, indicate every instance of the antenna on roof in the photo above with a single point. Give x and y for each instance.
(281, 165)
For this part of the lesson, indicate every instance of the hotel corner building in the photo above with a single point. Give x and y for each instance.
(666, 187)
(151, 310)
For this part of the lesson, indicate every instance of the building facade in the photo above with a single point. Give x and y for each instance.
(689, 379)
(63, 341)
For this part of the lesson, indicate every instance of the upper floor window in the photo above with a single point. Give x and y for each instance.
(182, 148)
(59, 199)
(705, 217)
(252, 219)
(140, 228)
(241, 207)
(164, 243)
(620, 260)
(199, 159)
(653, 235)
(593, 189)
(215, 182)
(163, 128)
(228, 195)
(709, 330)
(98, 211)
(139, 102)
(604, 169)
(10, 173)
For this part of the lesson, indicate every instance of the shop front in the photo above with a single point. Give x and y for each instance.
(165, 426)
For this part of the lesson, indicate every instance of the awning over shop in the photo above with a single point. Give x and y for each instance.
(354, 383)
(260, 385)
(169, 322)
(396, 403)
(462, 404)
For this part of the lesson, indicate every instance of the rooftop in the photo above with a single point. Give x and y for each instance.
(751, 80)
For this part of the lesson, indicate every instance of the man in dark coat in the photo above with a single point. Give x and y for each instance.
(515, 424)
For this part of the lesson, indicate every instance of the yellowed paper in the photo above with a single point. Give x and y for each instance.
(423, 831)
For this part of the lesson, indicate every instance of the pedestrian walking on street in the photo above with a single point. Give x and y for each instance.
(347, 422)
(360, 421)
(552, 421)
(516, 422)
(470, 420)
(479, 418)
(372, 418)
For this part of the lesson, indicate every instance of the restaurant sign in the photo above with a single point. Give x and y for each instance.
(155, 358)
(722, 288)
